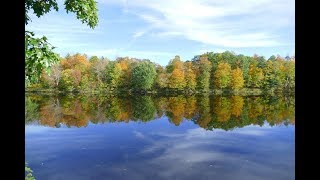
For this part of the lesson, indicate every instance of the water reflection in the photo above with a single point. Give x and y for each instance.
(208, 112)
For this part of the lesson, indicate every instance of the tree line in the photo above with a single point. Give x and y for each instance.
(208, 112)
(204, 72)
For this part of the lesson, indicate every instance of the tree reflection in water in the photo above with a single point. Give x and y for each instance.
(208, 112)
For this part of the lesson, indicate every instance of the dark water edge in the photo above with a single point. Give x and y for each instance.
(166, 92)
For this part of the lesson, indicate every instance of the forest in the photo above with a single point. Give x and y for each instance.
(208, 72)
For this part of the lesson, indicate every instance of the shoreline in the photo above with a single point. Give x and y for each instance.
(166, 92)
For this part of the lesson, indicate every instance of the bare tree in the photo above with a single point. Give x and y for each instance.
(99, 69)
(56, 74)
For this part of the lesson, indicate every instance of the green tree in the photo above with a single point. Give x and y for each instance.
(143, 75)
(205, 115)
(204, 69)
(161, 80)
(113, 73)
(244, 64)
(31, 110)
(272, 58)
(255, 76)
(261, 61)
(143, 108)
(70, 79)
(93, 59)
(274, 73)
(289, 83)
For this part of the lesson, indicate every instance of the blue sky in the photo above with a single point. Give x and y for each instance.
(160, 29)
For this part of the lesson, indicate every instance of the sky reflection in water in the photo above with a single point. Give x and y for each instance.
(159, 149)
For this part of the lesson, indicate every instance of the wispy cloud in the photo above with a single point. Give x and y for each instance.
(167, 153)
(213, 149)
(160, 29)
(138, 134)
(229, 23)
(64, 32)
(138, 34)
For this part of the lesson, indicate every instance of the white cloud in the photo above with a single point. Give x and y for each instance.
(198, 148)
(252, 132)
(138, 34)
(229, 23)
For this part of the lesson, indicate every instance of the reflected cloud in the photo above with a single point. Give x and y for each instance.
(153, 150)
(138, 134)
(36, 129)
(252, 132)
(197, 150)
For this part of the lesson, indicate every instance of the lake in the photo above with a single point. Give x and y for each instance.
(77, 137)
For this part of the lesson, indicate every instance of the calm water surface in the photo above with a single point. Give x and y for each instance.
(138, 138)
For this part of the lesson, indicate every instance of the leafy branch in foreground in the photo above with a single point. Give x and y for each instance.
(38, 57)
(39, 53)
(28, 173)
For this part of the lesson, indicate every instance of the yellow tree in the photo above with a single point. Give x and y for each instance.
(237, 103)
(161, 80)
(75, 72)
(222, 108)
(125, 75)
(77, 61)
(289, 75)
(113, 74)
(176, 78)
(222, 76)
(191, 107)
(176, 109)
(190, 75)
(255, 76)
(237, 80)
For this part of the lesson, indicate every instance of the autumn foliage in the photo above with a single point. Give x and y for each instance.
(203, 73)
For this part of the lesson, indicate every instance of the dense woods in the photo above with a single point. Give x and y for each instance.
(209, 71)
